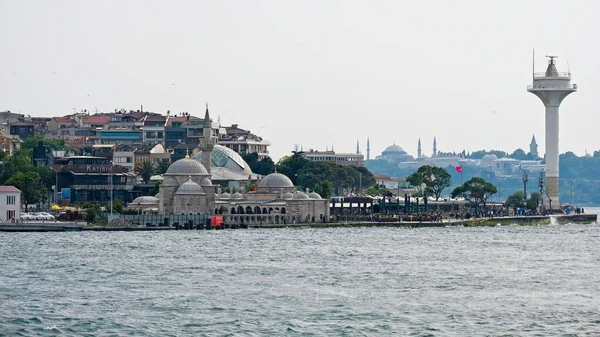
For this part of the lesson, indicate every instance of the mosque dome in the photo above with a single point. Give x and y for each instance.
(489, 157)
(189, 187)
(288, 195)
(222, 156)
(157, 196)
(145, 200)
(170, 181)
(275, 180)
(394, 149)
(300, 195)
(237, 195)
(186, 167)
(205, 182)
(314, 195)
(225, 196)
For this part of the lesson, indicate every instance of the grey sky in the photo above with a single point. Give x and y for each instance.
(311, 72)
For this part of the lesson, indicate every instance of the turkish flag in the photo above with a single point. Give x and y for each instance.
(459, 169)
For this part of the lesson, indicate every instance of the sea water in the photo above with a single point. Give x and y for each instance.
(455, 281)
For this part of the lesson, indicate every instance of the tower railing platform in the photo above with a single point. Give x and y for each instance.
(552, 86)
(560, 75)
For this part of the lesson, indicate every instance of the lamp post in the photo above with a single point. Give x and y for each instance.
(525, 179)
(541, 185)
(111, 187)
(571, 192)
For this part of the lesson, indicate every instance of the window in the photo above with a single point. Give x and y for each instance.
(10, 214)
(11, 199)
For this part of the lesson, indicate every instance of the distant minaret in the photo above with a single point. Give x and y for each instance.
(207, 143)
(533, 147)
(368, 149)
(357, 147)
(419, 148)
(434, 147)
(551, 88)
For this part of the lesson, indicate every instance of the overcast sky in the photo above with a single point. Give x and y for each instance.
(316, 73)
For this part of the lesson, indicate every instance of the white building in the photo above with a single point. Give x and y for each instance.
(346, 159)
(10, 203)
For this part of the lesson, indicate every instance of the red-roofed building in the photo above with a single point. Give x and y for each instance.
(61, 123)
(95, 121)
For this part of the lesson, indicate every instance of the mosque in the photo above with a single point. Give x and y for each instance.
(188, 188)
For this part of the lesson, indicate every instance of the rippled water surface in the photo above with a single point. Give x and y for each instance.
(524, 281)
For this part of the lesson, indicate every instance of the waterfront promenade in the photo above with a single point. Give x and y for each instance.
(497, 221)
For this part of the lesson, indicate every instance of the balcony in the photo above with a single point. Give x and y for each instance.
(537, 86)
(543, 75)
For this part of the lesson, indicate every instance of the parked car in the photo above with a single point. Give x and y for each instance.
(47, 216)
(42, 216)
(26, 217)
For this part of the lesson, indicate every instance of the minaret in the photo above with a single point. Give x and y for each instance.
(533, 148)
(357, 147)
(419, 148)
(551, 87)
(434, 147)
(368, 149)
(207, 143)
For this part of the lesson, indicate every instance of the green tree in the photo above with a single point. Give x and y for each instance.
(519, 154)
(516, 200)
(145, 170)
(156, 188)
(290, 165)
(534, 201)
(118, 206)
(435, 179)
(324, 189)
(92, 212)
(263, 166)
(162, 166)
(476, 190)
(32, 141)
(31, 186)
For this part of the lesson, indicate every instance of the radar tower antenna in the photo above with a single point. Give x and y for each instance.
(551, 58)
(533, 72)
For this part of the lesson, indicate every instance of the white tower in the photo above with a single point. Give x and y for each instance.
(208, 141)
(551, 87)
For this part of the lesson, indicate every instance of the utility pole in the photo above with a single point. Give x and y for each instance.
(111, 187)
(571, 193)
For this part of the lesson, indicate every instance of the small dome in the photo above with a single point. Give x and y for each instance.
(300, 195)
(225, 196)
(237, 195)
(189, 187)
(186, 167)
(217, 196)
(276, 180)
(314, 195)
(288, 195)
(157, 196)
(170, 181)
(145, 200)
(205, 182)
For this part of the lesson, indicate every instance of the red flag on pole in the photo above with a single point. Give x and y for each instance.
(459, 169)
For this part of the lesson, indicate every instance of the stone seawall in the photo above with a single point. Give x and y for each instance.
(504, 221)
